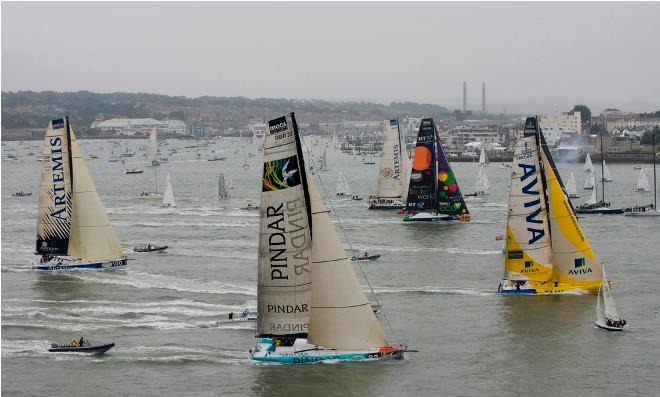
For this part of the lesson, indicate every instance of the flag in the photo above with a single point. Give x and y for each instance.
(499, 238)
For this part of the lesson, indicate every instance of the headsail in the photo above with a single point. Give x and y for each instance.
(391, 177)
(643, 184)
(342, 185)
(528, 251)
(607, 175)
(285, 236)
(168, 193)
(590, 183)
(574, 261)
(341, 316)
(92, 236)
(588, 166)
(55, 196)
(571, 188)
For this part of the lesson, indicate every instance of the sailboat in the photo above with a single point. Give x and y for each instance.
(642, 182)
(168, 194)
(483, 157)
(607, 175)
(324, 161)
(342, 185)
(607, 316)
(153, 195)
(73, 230)
(547, 251)
(600, 207)
(222, 186)
(433, 194)
(571, 188)
(651, 209)
(311, 306)
(481, 185)
(590, 182)
(228, 181)
(588, 166)
(152, 149)
(392, 182)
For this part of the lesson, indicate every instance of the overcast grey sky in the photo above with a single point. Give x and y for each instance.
(540, 57)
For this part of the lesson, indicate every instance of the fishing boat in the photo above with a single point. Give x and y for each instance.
(342, 185)
(392, 182)
(601, 207)
(133, 171)
(311, 306)
(607, 316)
(149, 248)
(87, 347)
(433, 193)
(168, 194)
(222, 186)
(642, 182)
(21, 194)
(588, 165)
(73, 230)
(651, 209)
(571, 188)
(547, 251)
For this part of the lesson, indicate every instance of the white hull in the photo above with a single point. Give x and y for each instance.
(306, 353)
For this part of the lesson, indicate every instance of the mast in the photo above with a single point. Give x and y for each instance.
(602, 166)
(68, 141)
(655, 195)
(435, 169)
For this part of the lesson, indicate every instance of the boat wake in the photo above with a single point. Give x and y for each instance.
(432, 290)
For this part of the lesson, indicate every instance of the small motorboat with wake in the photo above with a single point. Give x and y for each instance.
(149, 248)
(83, 346)
(365, 257)
(250, 206)
(356, 197)
(133, 171)
(245, 319)
(21, 194)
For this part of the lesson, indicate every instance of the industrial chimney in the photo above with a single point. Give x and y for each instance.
(464, 97)
(483, 97)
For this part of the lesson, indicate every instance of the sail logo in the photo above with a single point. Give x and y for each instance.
(525, 153)
(281, 174)
(57, 168)
(529, 268)
(397, 162)
(57, 124)
(580, 267)
(534, 204)
(277, 125)
(292, 244)
(392, 122)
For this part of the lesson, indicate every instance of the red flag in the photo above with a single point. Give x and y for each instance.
(499, 238)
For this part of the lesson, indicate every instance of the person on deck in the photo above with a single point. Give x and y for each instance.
(73, 343)
(81, 343)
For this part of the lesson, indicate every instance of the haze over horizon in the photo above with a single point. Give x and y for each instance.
(541, 57)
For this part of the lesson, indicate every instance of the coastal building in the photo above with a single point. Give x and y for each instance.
(567, 121)
(133, 126)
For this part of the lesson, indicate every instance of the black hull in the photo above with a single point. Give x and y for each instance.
(98, 349)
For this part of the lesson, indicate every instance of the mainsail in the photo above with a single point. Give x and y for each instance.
(528, 250)
(55, 196)
(590, 183)
(607, 175)
(588, 166)
(222, 186)
(285, 237)
(342, 185)
(574, 261)
(168, 193)
(92, 237)
(571, 188)
(391, 178)
(483, 157)
(152, 148)
(642, 182)
(422, 191)
(481, 185)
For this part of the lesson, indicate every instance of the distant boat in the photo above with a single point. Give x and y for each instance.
(87, 347)
(217, 158)
(588, 166)
(319, 313)
(222, 186)
(590, 182)
(642, 182)
(651, 209)
(244, 319)
(21, 194)
(392, 179)
(250, 206)
(324, 161)
(73, 230)
(365, 257)
(483, 157)
(133, 171)
(229, 183)
(600, 207)
(149, 248)
(481, 184)
(152, 149)
(433, 193)
(168, 194)
(571, 188)
(546, 249)
(607, 175)
(607, 316)
(342, 185)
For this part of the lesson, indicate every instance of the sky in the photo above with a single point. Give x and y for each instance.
(533, 57)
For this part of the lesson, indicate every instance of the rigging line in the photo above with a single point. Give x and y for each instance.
(348, 240)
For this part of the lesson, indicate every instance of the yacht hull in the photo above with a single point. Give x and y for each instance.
(530, 287)
(304, 353)
(83, 265)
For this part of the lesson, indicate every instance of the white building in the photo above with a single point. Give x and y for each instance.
(567, 121)
(132, 126)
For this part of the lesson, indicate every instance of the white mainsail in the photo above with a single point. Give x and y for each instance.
(228, 181)
(92, 236)
(591, 180)
(481, 185)
(392, 182)
(341, 316)
(55, 196)
(152, 147)
(592, 199)
(168, 193)
(324, 160)
(284, 290)
(528, 250)
(483, 157)
(342, 185)
(222, 186)
(588, 166)
(643, 184)
(571, 188)
(607, 175)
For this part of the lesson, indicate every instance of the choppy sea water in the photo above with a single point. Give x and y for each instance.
(437, 284)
